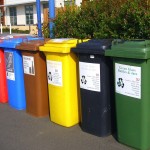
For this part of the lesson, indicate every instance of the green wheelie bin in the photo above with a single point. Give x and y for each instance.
(131, 60)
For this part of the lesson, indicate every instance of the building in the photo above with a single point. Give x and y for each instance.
(22, 13)
(2, 18)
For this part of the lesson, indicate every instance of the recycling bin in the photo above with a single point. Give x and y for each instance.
(62, 81)
(14, 73)
(96, 86)
(3, 81)
(35, 78)
(131, 61)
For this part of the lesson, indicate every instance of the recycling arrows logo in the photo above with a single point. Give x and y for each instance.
(83, 80)
(120, 82)
(50, 76)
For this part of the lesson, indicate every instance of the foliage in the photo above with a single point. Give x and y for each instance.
(133, 21)
(125, 19)
(45, 30)
(66, 22)
(16, 30)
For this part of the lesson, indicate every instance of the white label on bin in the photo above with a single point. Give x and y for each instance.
(54, 72)
(9, 59)
(28, 65)
(90, 76)
(128, 80)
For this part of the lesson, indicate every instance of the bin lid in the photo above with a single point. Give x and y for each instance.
(61, 45)
(10, 43)
(13, 42)
(32, 45)
(93, 46)
(138, 49)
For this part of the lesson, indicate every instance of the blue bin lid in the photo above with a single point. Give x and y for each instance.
(13, 42)
(10, 43)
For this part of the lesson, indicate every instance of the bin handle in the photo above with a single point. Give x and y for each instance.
(78, 41)
(117, 41)
(25, 40)
(145, 42)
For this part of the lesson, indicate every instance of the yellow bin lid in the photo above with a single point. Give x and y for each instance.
(61, 45)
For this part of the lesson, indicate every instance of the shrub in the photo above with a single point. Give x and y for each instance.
(65, 22)
(125, 19)
(16, 30)
(133, 20)
(45, 30)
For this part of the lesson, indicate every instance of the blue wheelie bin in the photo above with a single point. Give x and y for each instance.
(14, 73)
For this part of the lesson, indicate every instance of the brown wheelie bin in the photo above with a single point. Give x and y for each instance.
(35, 77)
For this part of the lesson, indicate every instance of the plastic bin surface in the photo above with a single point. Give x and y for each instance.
(96, 86)
(132, 96)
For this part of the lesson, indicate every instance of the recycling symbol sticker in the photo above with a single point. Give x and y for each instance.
(54, 73)
(120, 83)
(83, 80)
(128, 80)
(50, 76)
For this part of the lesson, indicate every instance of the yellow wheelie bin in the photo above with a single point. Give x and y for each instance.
(62, 81)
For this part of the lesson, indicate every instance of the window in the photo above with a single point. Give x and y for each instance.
(29, 14)
(13, 15)
(69, 2)
(1, 16)
(45, 5)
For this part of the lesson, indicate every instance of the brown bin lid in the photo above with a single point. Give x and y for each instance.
(30, 45)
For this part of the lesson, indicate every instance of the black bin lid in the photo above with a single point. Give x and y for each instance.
(93, 46)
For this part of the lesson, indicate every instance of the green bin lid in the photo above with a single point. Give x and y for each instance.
(138, 49)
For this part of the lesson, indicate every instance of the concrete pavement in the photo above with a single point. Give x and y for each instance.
(20, 131)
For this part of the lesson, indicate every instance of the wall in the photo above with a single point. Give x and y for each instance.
(13, 2)
(2, 12)
(78, 2)
(21, 15)
(60, 3)
(21, 19)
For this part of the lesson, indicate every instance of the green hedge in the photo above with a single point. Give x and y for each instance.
(6, 29)
(125, 19)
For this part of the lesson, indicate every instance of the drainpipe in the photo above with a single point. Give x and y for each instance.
(38, 9)
(51, 16)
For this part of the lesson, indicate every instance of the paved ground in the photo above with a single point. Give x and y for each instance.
(20, 131)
